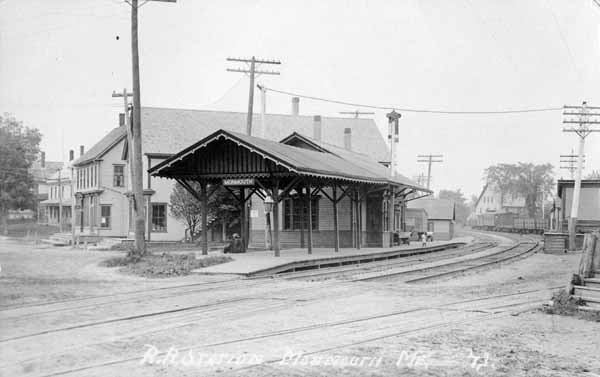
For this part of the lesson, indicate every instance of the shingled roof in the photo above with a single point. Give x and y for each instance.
(103, 146)
(298, 160)
(167, 131)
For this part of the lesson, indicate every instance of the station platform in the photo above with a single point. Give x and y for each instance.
(263, 263)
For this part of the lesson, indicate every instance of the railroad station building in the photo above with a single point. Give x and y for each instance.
(353, 200)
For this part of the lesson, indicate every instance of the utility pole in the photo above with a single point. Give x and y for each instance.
(430, 159)
(137, 182)
(129, 132)
(128, 129)
(356, 113)
(263, 110)
(393, 138)
(571, 163)
(252, 71)
(420, 179)
(583, 129)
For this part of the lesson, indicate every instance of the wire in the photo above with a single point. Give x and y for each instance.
(564, 42)
(413, 110)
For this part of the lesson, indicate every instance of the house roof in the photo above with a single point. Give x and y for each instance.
(437, 209)
(167, 131)
(298, 160)
(564, 183)
(103, 146)
(42, 173)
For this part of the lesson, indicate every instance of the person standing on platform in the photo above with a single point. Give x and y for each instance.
(424, 239)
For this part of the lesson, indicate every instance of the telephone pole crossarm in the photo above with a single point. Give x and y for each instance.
(256, 71)
(250, 60)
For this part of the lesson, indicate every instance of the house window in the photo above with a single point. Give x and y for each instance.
(159, 217)
(104, 216)
(293, 208)
(118, 175)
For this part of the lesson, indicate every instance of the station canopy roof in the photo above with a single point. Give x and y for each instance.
(265, 158)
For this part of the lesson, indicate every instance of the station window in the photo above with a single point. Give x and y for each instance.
(118, 175)
(292, 214)
(105, 216)
(159, 217)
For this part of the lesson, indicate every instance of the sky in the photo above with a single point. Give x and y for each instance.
(61, 60)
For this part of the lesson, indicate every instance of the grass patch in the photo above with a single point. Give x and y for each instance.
(164, 247)
(163, 265)
(32, 230)
(563, 303)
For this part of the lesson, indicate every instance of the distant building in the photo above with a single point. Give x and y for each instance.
(59, 199)
(491, 201)
(416, 220)
(589, 204)
(441, 216)
(42, 170)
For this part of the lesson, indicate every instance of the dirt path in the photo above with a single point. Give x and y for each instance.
(291, 327)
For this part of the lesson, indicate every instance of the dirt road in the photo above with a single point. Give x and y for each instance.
(61, 314)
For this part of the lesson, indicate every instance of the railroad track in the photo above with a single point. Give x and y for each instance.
(336, 272)
(497, 309)
(453, 268)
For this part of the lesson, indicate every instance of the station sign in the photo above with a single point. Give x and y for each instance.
(239, 182)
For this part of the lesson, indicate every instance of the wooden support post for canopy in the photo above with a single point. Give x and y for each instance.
(303, 214)
(352, 217)
(358, 217)
(276, 246)
(336, 234)
(204, 196)
(243, 218)
(308, 198)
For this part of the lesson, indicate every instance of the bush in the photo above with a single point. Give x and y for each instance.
(163, 265)
(563, 303)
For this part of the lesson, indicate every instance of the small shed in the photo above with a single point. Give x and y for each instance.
(441, 216)
(416, 221)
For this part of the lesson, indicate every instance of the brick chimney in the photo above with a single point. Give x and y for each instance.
(71, 155)
(43, 159)
(348, 138)
(295, 106)
(317, 127)
(81, 150)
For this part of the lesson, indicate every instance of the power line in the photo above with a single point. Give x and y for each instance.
(413, 110)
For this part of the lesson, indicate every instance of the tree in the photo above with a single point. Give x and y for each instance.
(460, 202)
(523, 179)
(19, 147)
(501, 176)
(222, 208)
(186, 208)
